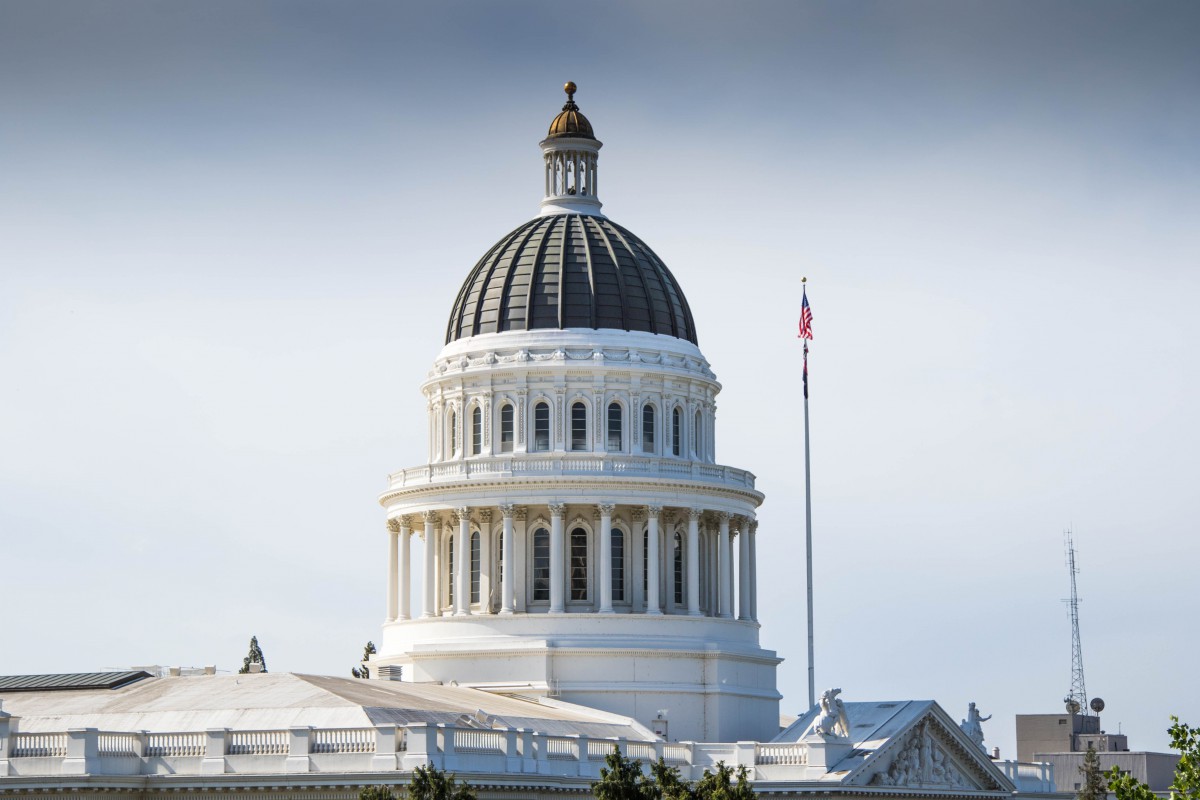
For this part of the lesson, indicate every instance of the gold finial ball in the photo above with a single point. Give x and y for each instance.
(569, 88)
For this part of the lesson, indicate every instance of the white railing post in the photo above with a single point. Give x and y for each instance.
(214, 751)
(658, 751)
(528, 751)
(82, 751)
(298, 750)
(421, 739)
(446, 745)
(8, 727)
(387, 740)
(744, 756)
(512, 756)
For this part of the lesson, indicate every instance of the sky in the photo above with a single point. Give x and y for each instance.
(231, 232)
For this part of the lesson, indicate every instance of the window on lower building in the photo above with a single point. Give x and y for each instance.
(678, 570)
(618, 566)
(676, 432)
(476, 431)
(541, 564)
(579, 564)
(475, 567)
(450, 564)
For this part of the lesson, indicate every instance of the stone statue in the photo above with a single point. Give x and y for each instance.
(972, 726)
(832, 721)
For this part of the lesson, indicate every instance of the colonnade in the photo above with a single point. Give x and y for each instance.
(690, 561)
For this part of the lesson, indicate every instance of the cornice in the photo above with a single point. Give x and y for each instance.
(554, 489)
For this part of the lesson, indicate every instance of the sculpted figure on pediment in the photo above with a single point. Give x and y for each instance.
(922, 761)
(832, 721)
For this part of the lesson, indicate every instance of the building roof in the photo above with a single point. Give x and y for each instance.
(69, 681)
(273, 701)
(570, 271)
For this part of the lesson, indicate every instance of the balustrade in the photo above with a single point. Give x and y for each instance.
(788, 754)
(167, 745)
(258, 743)
(39, 745)
(342, 740)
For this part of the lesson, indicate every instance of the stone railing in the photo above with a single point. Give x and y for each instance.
(535, 465)
(217, 751)
(1028, 776)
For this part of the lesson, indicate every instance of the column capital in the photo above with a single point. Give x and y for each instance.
(520, 513)
(606, 509)
(753, 526)
(654, 511)
(506, 510)
(724, 517)
(485, 515)
(557, 509)
(429, 516)
(638, 513)
(393, 525)
(669, 515)
(694, 514)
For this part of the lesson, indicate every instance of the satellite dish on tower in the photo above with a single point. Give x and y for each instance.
(1097, 704)
(1072, 705)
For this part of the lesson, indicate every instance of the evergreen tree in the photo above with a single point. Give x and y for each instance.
(719, 785)
(255, 657)
(1093, 787)
(1186, 785)
(363, 671)
(669, 784)
(376, 793)
(431, 783)
(622, 779)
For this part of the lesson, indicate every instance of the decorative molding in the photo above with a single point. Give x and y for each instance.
(485, 515)
(923, 760)
(638, 514)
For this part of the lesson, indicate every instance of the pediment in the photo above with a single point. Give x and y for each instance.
(930, 753)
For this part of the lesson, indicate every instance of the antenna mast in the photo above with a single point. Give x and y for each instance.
(1076, 701)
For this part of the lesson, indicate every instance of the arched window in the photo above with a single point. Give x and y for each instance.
(697, 439)
(614, 426)
(676, 431)
(618, 565)
(476, 431)
(579, 564)
(541, 427)
(647, 428)
(506, 428)
(453, 433)
(541, 564)
(678, 569)
(475, 567)
(578, 426)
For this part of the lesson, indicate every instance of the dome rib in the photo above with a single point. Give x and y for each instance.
(570, 271)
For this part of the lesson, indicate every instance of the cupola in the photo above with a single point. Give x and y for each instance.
(570, 150)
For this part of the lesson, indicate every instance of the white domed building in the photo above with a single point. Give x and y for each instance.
(606, 557)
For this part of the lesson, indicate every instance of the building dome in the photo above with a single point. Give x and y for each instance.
(570, 271)
(570, 121)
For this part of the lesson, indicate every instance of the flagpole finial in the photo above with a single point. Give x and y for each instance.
(804, 280)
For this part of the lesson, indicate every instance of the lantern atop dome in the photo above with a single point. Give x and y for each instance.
(570, 151)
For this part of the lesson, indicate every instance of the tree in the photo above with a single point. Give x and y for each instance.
(622, 779)
(376, 793)
(668, 784)
(1185, 786)
(255, 657)
(1093, 787)
(431, 783)
(363, 671)
(719, 785)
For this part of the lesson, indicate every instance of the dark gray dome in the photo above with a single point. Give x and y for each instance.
(570, 271)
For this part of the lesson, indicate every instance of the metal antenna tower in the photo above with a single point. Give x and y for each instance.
(1076, 701)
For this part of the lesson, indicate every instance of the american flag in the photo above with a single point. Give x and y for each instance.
(805, 318)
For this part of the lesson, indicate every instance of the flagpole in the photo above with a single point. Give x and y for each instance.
(812, 686)
(808, 525)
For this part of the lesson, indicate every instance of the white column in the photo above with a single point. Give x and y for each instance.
(462, 564)
(486, 586)
(723, 574)
(753, 526)
(557, 559)
(652, 560)
(402, 607)
(506, 558)
(693, 562)
(429, 596)
(520, 555)
(606, 511)
(393, 575)
(743, 539)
